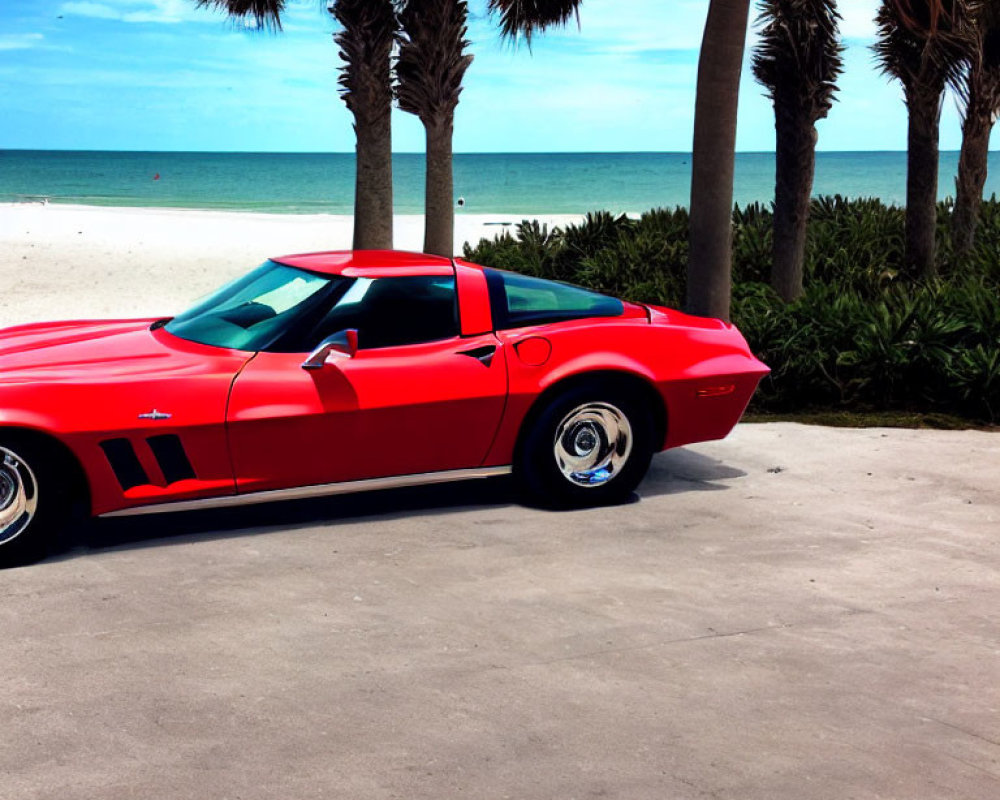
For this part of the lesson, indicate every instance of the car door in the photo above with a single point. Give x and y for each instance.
(396, 407)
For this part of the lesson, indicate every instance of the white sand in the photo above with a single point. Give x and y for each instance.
(78, 262)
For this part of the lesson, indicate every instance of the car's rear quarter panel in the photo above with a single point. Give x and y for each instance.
(684, 363)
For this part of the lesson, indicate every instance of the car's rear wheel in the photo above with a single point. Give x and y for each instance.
(591, 445)
(32, 505)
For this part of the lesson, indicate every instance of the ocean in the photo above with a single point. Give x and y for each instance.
(493, 183)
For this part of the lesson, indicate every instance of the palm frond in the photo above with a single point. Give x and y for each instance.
(924, 43)
(980, 85)
(527, 17)
(265, 14)
(799, 56)
(926, 15)
(368, 32)
(432, 59)
(987, 18)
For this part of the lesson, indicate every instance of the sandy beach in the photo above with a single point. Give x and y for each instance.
(77, 262)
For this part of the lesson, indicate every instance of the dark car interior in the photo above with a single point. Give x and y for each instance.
(397, 311)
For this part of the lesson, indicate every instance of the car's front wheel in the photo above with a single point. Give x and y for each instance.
(590, 445)
(31, 506)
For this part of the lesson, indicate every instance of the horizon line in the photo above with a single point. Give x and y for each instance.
(421, 152)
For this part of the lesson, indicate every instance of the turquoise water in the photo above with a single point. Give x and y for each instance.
(312, 183)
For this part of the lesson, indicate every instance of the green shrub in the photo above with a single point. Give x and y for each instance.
(864, 336)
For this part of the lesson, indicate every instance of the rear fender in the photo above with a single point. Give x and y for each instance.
(596, 364)
(523, 406)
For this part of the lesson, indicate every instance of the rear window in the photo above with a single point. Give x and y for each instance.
(518, 301)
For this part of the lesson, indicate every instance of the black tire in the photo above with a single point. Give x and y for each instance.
(562, 424)
(35, 499)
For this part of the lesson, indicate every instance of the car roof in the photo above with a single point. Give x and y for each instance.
(369, 263)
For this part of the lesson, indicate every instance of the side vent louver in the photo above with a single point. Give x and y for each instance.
(125, 463)
(171, 457)
(167, 450)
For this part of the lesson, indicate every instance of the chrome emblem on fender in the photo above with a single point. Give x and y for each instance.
(154, 414)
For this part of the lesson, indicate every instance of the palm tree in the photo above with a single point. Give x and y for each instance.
(714, 147)
(720, 65)
(980, 91)
(365, 41)
(922, 44)
(798, 61)
(432, 62)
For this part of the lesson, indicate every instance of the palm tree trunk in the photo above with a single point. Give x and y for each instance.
(795, 162)
(439, 205)
(709, 274)
(365, 41)
(922, 183)
(373, 183)
(431, 65)
(972, 167)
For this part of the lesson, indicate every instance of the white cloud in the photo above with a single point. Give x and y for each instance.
(87, 9)
(646, 25)
(20, 41)
(858, 19)
(148, 11)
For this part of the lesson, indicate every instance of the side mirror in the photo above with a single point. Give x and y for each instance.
(343, 344)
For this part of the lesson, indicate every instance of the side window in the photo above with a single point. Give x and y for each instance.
(389, 312)
(518, 301)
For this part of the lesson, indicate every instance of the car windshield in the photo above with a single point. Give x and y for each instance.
(255, 310)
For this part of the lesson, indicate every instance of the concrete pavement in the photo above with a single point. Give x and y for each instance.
(794, 612)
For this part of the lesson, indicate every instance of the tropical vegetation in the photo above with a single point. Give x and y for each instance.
(713, 158)
(923, 44)
(427, 79)
(366, 38)
(720, 66)
(865, 335)
(430, 68)
(979, 92)
(798, 61)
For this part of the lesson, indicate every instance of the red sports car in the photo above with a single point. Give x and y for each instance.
(331, 372)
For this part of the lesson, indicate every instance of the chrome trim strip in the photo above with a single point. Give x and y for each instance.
(321, 490)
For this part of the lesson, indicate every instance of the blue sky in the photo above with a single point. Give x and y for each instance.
(163, 75)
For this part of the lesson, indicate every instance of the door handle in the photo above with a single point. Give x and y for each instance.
(484, 355)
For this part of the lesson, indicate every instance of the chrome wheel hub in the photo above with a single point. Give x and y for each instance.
(592, 444)
(18, 495)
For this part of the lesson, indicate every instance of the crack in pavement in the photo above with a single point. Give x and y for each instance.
(960, 729)
(634, 648)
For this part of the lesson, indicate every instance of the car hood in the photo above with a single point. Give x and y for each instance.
(88, 350)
